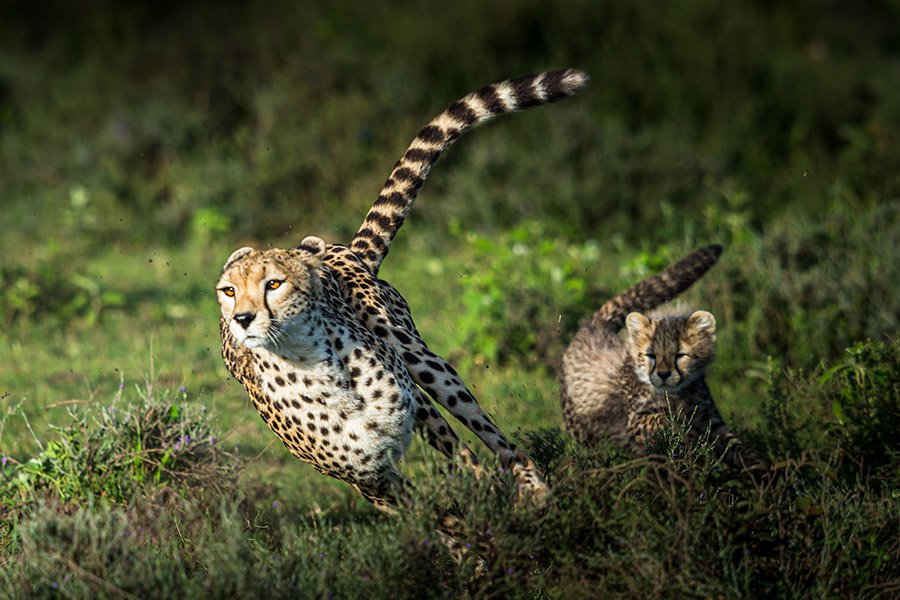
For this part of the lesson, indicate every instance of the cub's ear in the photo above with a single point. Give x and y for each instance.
(313, 245)
(703, 321)
(636, 323)
(237, 255)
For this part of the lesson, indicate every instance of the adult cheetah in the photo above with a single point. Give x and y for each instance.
(329, 353)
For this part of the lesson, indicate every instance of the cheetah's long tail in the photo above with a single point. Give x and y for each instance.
(384, 219)
(656, 290)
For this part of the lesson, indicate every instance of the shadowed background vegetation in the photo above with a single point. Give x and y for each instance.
(139, 147)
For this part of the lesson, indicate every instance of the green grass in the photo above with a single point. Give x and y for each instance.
(137, 151)
(137, 497)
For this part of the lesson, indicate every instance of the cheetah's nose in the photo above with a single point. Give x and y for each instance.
(663, 375)
(245, 318)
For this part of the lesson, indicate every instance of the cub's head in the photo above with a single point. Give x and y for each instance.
(265, 294)
(669, 352)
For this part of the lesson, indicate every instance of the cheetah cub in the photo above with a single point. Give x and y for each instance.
(328, 352)
(626, 389)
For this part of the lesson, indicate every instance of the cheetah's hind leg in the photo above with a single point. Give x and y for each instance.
(441, 381)
(387, 315)
(441, 436)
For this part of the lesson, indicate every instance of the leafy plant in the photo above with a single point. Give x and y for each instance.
(849, 411)
(109, 453)
(865, 402)
(525, 290)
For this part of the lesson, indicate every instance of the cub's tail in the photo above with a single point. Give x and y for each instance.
(373, 239)
(656, 290)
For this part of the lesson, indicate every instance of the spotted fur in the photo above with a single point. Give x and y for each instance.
(627, 390)
(329, 353)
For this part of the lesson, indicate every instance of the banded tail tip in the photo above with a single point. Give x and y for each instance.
(715, 249)
(573, 80)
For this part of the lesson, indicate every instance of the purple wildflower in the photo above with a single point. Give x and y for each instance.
(182, 389)
(212, 440)
(122, 385)
(509, 571)
(177, 446)
(55, 585)
(4, 460)
(276, 504)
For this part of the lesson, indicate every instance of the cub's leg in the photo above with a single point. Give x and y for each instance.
(736, 453)
(644, 428)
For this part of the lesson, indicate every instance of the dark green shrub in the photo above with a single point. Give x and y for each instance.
(849, 412)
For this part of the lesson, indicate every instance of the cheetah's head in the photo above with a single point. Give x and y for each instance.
(265, 295)
(671, 351)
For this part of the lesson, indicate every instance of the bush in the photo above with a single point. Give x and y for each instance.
(112, 454)
(848, 413)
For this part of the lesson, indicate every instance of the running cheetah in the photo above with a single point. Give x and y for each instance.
(626, 390)
(329, 353)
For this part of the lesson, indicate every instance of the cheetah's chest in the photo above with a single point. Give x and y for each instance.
(327, 417)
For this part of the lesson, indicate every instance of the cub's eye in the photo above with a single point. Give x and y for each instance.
(651, 356)
(680, 355)
(274, 284)
(228, 291)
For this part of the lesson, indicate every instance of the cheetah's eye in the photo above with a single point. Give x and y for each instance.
(680, 355)
(274, 284)
(651, 356)
(228, 291)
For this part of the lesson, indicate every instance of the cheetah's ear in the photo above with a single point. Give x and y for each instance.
(312, 251)
(703, 321)
(313, 245)
(236, 255)
(636, 323)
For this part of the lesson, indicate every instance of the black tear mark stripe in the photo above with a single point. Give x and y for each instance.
(402, 186)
